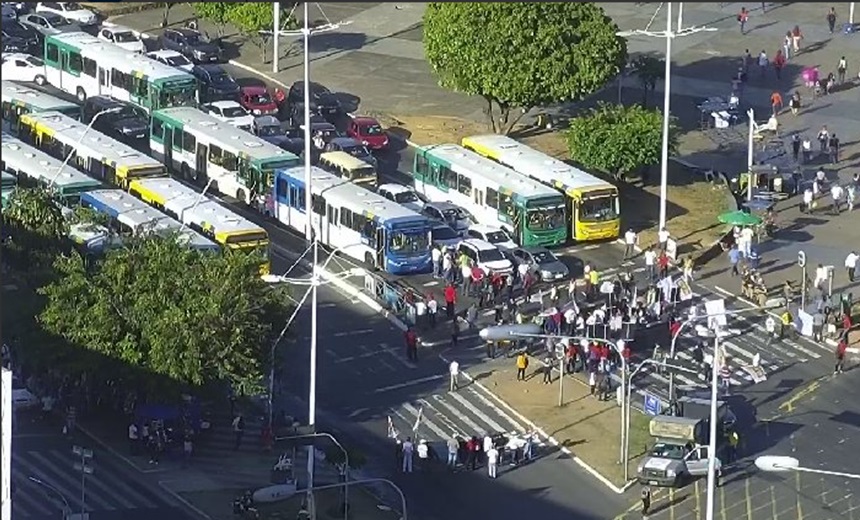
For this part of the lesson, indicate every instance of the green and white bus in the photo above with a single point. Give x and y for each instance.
(7, 185)
(200, 147)
(532, 213)
(19, 99)
(32, 168)
(83, 65)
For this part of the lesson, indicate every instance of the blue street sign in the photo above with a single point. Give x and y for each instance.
(653, 406)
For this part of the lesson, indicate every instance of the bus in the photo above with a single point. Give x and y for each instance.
(128, 216)
(200, 147)
(352, 220)
(531, 213)
(20, 99)
(204, 215)
(83, 65)
(348, 167)
(592, 203)
(8, 182)
(32, 167)
(100, 156)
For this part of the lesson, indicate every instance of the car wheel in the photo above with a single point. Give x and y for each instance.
(40, 80)
(81, 94)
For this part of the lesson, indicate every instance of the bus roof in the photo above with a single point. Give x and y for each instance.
(136, 214)
(339, 192)
(109, 55)
(462, 160)
(89, 142)
(37, 165)
(180, 200)
(225, 135)
(534, 164)
(344, 160)
(23, 95)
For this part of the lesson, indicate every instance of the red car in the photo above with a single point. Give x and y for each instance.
(258, 101)
(368, 131)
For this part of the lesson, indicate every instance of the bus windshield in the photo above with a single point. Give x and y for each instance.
(181, 95)
(598, 209)
(540, 219)
(407, 243)
(361, 173)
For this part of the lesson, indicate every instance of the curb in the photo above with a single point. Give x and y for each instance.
(137, 8)
(252, 70)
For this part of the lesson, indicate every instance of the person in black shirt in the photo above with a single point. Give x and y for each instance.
(834, 148)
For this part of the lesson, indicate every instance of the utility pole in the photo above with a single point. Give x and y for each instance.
(85, 456)
(276, 36)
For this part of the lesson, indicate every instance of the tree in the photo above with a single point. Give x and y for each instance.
(649, 70)
(619, 140)
(216, 12)
(251, 18)
(36, 226)
(520, 55)
(165, 15)
(161, 308)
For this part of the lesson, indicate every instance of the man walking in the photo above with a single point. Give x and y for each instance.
(831, 20)
(238, 431)
(646, 500)
(454, 372)
(630, 239)
(411, 344)
(453, 449)
(492, 461)
(841, 347)
(851, 265)
(408, 449)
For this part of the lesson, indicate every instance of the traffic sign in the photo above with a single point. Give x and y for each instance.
(652, 404)
(801, 259)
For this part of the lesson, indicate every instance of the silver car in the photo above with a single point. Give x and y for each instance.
(543, 262)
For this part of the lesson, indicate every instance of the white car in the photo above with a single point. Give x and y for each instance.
(492, 234)
(23, 67)
(71, 11)
(122, 37)
(22, 398)
(486, 256)
(403, 195)
(230, 112)
(172, 59)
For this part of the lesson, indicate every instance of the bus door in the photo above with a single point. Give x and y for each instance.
(168, 147)
(380, 247)
(104, 81)
(571, 208)
(517, 223)
(327, 223)
(201, 163)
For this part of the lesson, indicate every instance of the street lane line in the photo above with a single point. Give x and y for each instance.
(356, 413)
(93, 498)
(410, 383)
(498, 411)
(478, 413)
(460, 415)
(352, 333)
(426, 421)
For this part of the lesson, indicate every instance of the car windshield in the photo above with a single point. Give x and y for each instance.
(545, 218)
(405, 197)
(444, 233)
(125, 37)
(598, 209)
(193, 39)
(57, 20)
(497, 237)
(668, 451)
(261, 99)
(408, 243)
(490, 255)
(34, 61)
(544, 257)
(371, 130)
(221, 77)
(269, 130)
(177, 61)
(72, 6)
(234, 112)
(358, 150)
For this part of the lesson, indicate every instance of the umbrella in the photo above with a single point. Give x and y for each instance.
(739, 218)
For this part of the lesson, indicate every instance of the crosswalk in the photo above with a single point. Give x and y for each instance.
(43, 478)
(464, 412)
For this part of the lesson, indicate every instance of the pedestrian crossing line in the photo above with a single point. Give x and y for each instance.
(518, 428)
(93, 489)
(31, 498)
(478, 413)
(432, 410)
(471, 424)
(429, 423)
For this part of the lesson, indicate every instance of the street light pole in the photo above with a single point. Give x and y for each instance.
(196, 203)
(851, 13)
(345, 461)
(78, 142)
(712, 441)
(85, 455)
(366, 481)
(780, 464)
(276, 36)
(750, 153)
(680, 15)
(67, 508)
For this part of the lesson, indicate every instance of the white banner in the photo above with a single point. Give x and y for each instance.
(716, 310)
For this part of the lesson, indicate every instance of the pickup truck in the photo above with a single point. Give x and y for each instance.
(679, 454)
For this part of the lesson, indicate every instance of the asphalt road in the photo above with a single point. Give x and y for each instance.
(113, 491)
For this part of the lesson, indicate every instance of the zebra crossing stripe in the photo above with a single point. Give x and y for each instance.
(93, 498)
(496, 427)
(473, 427)
(41, 504)
(427, 421)
(69, 490)
(498, 411)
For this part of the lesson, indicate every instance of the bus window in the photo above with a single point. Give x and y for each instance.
(597, 209)
(401, 243)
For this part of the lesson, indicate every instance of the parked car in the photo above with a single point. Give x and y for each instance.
(230, 112)
(122, 37)
(353, 148)
(192, 44)
(444, 235)
(47, 24)
(22, 397)
(492, 234)
(171, 58)
(28, 36)
(13, 45)
(403, 195)
(214, 84)
(322, 100)
(321, 127)
(23, 67)
(257, 100)
(486, 256)
(270, 129)
(123, 121)
(450, 214)
(368, 131)
(8, 13)
(71, 11)
(543, 262)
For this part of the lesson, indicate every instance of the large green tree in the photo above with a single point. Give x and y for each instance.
(649, 70)
(161, 308)
(619, 140)
(36, 227)
(216, 12)
(252, 18)
(520, 55)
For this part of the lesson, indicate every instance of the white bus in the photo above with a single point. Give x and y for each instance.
(84, 65)
(20, 99)
(33, 167)
(200, 147)
(532, 213)
(96, 154)
(357, 222)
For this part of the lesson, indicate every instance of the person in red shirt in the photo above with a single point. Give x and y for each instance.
(411, 344)
(840, 355)
(450, 300)
(778, 65)
(674, 327)
(663, 264)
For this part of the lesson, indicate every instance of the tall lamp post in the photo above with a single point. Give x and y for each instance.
(79, 141)
(67, 509)
(366, 481)
(782, 464)
(337, 443)
(668, 34)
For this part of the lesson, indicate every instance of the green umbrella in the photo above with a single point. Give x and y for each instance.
(739, 218)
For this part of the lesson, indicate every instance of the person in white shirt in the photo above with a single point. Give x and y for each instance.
(851, 265)
(746, 240)
(523, 270)
(436, 255)
(423, 454)
(630, 240)
(836, 195)
(432, 309)
(650, 263)
(820, 276)
(663, 238)
(407, 448)
(453, 450)
(807, 200)
(454, 372)
(492, 461)
(770, 327)
(806, 145)
(850, 195)
(420, 312)
(133, 438)
(488, 444)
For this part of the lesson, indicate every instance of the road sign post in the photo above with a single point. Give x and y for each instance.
(84, 466)
(559, 354)
(652, 404)
(801, 261)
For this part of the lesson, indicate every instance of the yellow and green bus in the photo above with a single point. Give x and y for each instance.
(592, 204)
(20, 99)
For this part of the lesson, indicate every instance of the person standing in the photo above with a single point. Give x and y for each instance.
(833, 148)
(650, 263)
(663, 238)
(411, 339)
(841, 69)
(763, 62)
(238, 431)
(492, 461)
(734, 259)
(450, 300)
(786, 45)
(823, 139)
(734, 441)
(808, 199)
(408, 449)
(778, 64)
(851, 265)
(831, 19)
(630, 239)
(743, 18)
(432, 309)
(796, 37)
(454, 373)
(436, 255)
(453, 448)
(836, 194)
(646, 500)
(187, 450)
(841, 347)
(795, 139)
(133, 438)
(522, 365)
(776, 97)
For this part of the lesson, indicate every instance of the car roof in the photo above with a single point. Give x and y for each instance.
(267, 120)
(442, 205)
(535, 249)
(164, 53)
(116, 28)
(255, 89)
(184, 31)
(225, 103)
(484, 228)
(211, 68)
(103, 100)
(47, 15)
(395, 188)
(345, 141)
(16, 56)
(478, 244)
(365, 120)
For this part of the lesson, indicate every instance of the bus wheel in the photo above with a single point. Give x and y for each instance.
(240, 196)
(81, 94)
(40, 80)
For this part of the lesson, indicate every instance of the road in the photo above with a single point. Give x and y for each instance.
(112, 492)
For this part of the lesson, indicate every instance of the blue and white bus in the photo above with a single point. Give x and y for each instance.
(352, 220)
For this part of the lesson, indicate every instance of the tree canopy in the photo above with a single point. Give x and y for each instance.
(618, 139)
(649, 70)
(522, 54)
(216, 12)
(36, 227)
(160, 307)
(251, 18)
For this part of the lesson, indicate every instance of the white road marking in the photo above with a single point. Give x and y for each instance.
(481, 415)
(356, 413)
(352, 333)
(407, 384)
(425, 421)
(473, 426)
(501, 413)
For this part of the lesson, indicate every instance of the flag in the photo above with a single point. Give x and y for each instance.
(392, 431)
(418, 420)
